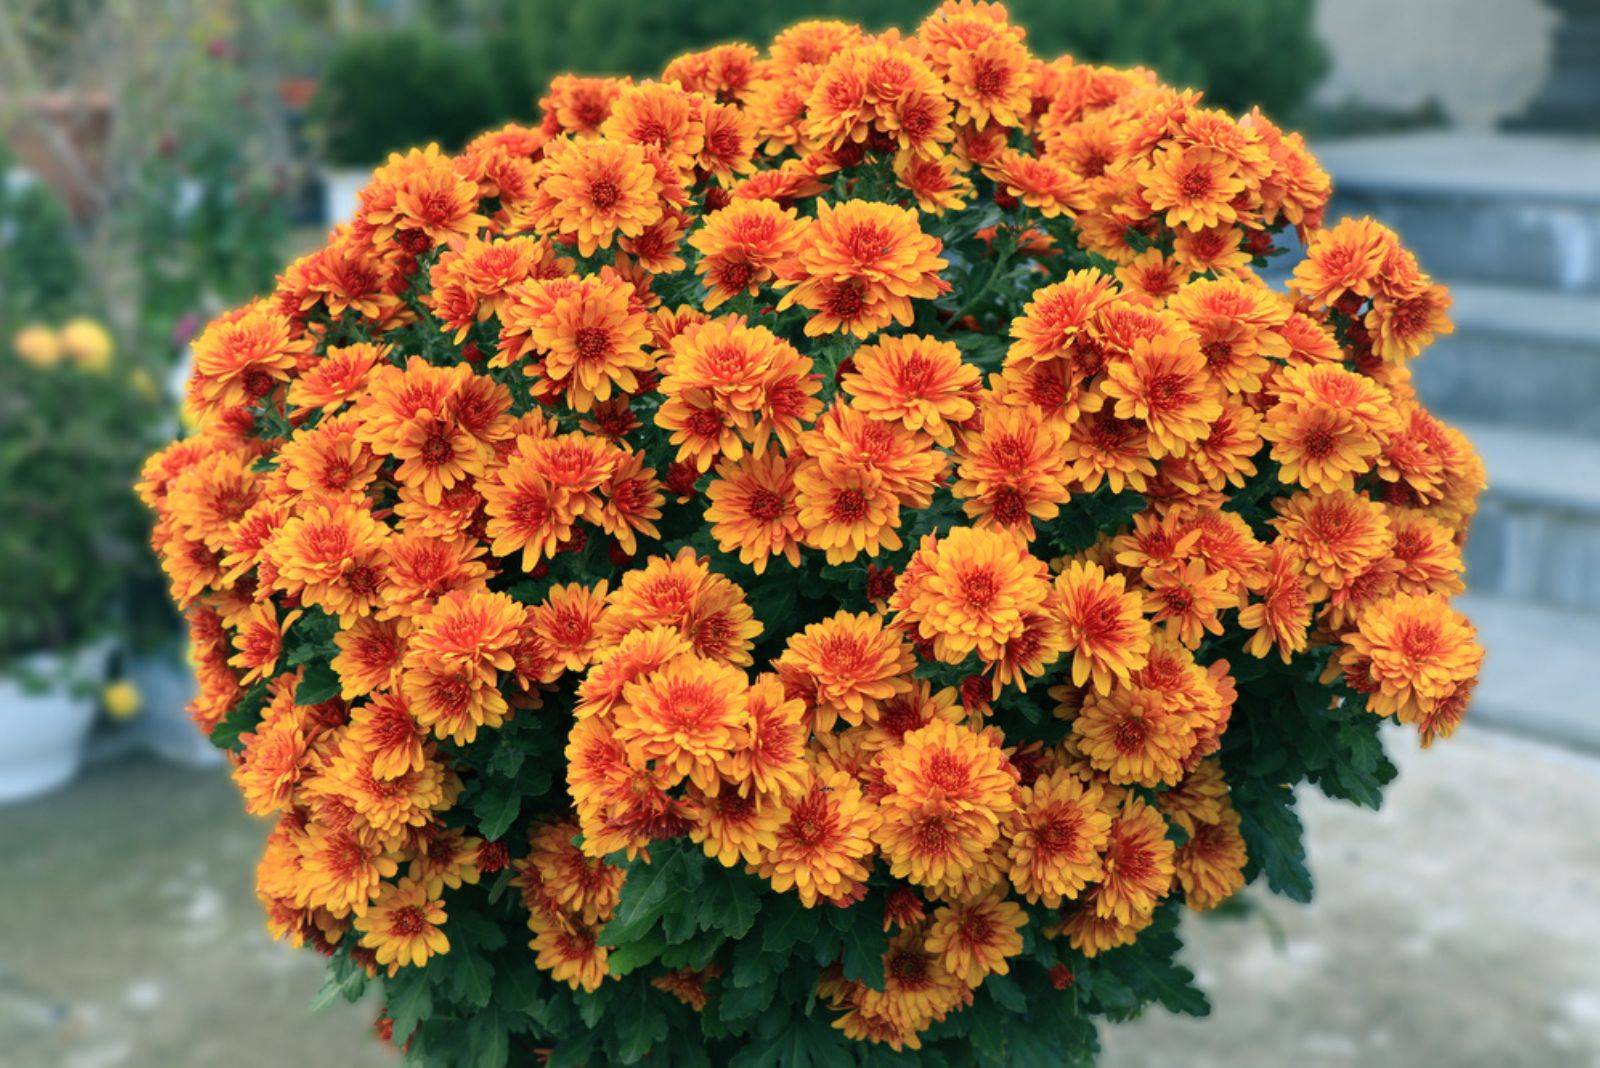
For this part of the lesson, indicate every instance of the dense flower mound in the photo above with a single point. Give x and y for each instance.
(820, 555)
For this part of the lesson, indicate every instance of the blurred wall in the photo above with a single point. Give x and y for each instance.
(1481, 60)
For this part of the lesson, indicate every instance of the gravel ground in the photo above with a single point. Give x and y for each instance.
(1459, 926)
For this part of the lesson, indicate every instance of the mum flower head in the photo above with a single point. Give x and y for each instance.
(837, 524)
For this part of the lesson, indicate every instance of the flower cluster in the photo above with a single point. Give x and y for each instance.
(868, 476)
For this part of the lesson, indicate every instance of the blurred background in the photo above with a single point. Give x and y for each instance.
(161, 159)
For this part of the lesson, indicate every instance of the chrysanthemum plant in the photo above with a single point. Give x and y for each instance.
(824, 555)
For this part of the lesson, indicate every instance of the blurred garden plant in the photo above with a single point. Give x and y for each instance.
(73, 422)
(177, 214)
(817, 557)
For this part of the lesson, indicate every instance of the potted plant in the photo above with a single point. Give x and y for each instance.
(72, 426)
(386, 91)
(824, 555)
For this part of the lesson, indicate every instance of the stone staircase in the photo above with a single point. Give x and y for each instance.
(1512, 224)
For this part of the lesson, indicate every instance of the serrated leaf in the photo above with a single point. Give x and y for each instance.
(729, 901)
(508, 758)
(573, 1052)
(242, 719)
(640, 1027)
(863, 946)
(473, 978)
(743, 1002)
(1274, 837)
(488, 1043)
(635, 953)
(320, 683)
(342, 981)
(646, 893)
(409, 1001)
(1006, 993)
(786, 922)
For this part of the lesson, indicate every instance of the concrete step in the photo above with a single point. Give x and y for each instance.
(1539, 669)
(1518, 356)
(1536, 536)
(1511, 209)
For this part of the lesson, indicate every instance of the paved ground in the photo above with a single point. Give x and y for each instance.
(1457, 927)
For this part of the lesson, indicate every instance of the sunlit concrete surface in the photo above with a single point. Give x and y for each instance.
(1459, 926)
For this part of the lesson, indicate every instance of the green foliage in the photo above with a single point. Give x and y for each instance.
(389, 91)
(1241, 52)
(41, 269)
(72, 440)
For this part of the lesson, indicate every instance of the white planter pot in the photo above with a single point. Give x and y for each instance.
(42, 733)
(341, 191)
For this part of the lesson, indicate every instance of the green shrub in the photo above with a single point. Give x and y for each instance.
(388, 91)
(1241, 52)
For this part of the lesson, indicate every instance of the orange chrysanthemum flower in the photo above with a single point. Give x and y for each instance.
(1338, 535)
(969, 591)
(742, 245)
(755, 510)
(1164, 385)
(823, 839)
(919, 382)
(1411, 652)
(1057, 837)
(1103, 625)
(402, 926)
(854, 662)
(859, 266)
(569, 951)
(1281, 618)
(1012, 471)
(1210, 865)
(687, 716)
(1133, 737)
(1138, 863)
(245, 355)
(1194, 186)
(974, 938)
(588, 336)
(596, 190)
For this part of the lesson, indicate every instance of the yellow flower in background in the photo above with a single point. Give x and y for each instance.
(143, 384)
(122, 699)
(88, 344)
(38, 345)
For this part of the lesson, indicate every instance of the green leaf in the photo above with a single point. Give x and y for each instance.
(242, 719)
(344, 980)
(409, 1001)
(574, 1052)
(1149, 969)
(729, 901)
(1274, 837)
(508, 758)
(473, 978)
(641, 1026)
(320, 683)
(864, 944)
(488, 1043)
(786, 922)
(987, 1030)
(636, 953)
(497, 808)
(741, 1002)
(649, 890)
(1006, 992)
